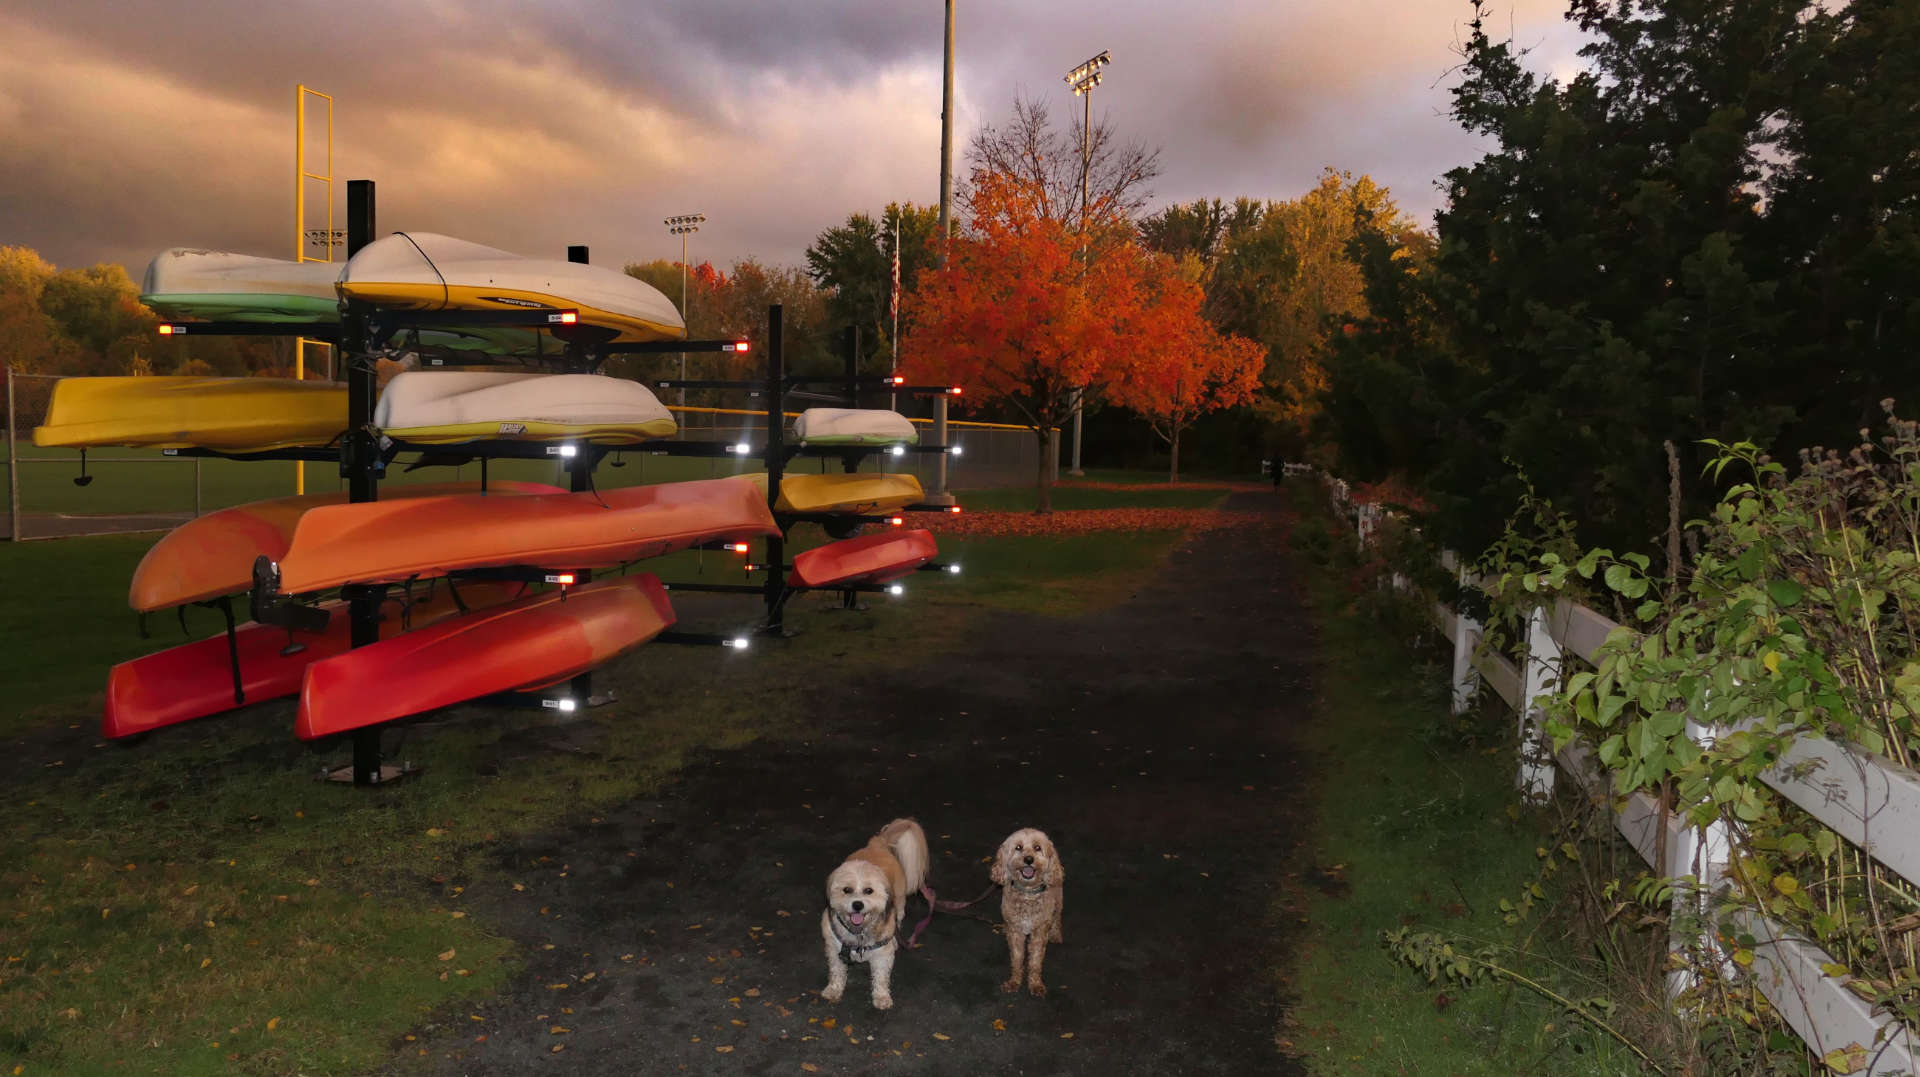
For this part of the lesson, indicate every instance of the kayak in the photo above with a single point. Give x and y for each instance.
(856, 493)
(438, 408)
(188, 282)
(533, 641)
(236, 415)
(854, 426)
(387, 541)
(866, 559)
(426, 271)
(213, 555)
(195, 680)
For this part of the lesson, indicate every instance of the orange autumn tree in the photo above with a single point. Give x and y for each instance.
(1181, 367)
(1028, 310)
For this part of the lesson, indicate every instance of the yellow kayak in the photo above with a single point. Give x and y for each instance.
(237, 415)
(855, 494)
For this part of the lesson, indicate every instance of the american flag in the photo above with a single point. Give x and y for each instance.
(893, 303)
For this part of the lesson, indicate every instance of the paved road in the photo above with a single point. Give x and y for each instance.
(1153, 741)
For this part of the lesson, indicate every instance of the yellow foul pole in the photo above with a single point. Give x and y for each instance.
(300, 178)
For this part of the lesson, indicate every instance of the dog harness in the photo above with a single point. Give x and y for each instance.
(851, 952)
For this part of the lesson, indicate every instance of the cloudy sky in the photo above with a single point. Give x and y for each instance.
(127, 129)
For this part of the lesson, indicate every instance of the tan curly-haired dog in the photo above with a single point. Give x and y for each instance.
(1028, 868)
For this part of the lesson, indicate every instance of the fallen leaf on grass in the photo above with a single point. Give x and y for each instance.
(829, 1022)
(558, 1029)
(205, 961)
(558, 1047)
(457, 915)
(446, 955)
(941, 1036)
(272, 1023)
(999, 1025)
(1066, 1035)
(723, 1049)
(805, 1067)
(753, 992)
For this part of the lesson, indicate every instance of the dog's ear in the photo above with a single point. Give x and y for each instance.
(1056, 871)
(999, 872)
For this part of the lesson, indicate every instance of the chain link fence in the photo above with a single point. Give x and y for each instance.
(51, 494)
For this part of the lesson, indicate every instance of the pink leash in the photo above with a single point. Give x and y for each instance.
(934, 904)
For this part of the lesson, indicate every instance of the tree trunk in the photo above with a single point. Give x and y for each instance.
(1043, 489)
(1173, 473)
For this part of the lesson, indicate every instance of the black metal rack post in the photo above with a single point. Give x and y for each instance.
(776, 467)
(359, 458)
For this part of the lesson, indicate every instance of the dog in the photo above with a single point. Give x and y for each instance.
(1032, 897)
(867, 904)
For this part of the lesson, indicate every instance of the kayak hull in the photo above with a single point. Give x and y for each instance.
(426, 271)
(535, 640)
(858, 493)
(442, 408)
(864, 560)
(213, 555)
(388, 541)
(195, 680)
(236, 415)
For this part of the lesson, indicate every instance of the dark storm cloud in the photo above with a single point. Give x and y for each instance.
(125, 129)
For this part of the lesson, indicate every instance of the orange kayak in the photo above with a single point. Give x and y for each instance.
(532, 641)
(866, 559)
(213, 555)
(195, 680)
(432, 536)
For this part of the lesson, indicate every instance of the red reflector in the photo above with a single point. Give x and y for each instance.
(169, 330)
(898, 381)
(896, 521)
(569, 317)
(738, 547)
(956, 390)
(564, 578)
(954, 508)
(738, 346)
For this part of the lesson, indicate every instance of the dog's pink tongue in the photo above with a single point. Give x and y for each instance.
(856, 918)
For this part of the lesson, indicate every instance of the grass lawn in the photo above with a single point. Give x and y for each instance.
(198, 904)
(1419, 826)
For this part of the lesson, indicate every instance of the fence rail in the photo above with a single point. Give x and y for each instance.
(1870, 801)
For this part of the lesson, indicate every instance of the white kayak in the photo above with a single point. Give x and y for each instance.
(426, 271)
(448, 407)
(188, 282)
(854, 426)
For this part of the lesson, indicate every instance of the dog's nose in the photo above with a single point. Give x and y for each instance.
(858, 905)
(1029, 860)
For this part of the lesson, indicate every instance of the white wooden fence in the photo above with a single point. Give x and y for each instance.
(1869, 801)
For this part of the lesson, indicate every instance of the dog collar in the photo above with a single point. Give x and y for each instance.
(1040, 889)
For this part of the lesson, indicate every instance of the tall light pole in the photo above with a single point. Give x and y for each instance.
(1083, 79)
(683, 226)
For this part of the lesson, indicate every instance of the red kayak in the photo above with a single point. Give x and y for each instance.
(867, 559)
(213, 555)
(195, 680)
(532, 641)
(432, 536)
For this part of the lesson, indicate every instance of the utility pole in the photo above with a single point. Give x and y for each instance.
(683, 226)
(946, 143)
(1083, 79)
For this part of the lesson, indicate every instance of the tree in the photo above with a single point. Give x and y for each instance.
(1018, 315)
(1181, 367)
(1285, 279)
(855, 262)
(1038, 170)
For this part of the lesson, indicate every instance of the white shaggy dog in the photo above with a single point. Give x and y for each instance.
(867, 903)
(1035, 895)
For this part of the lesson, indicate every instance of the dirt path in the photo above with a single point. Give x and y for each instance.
(1152, 741)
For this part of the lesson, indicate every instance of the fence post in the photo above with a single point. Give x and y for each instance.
(1539, 675)
(1466, 638)
(1701, 852)
(13, 467)
(196, 486)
